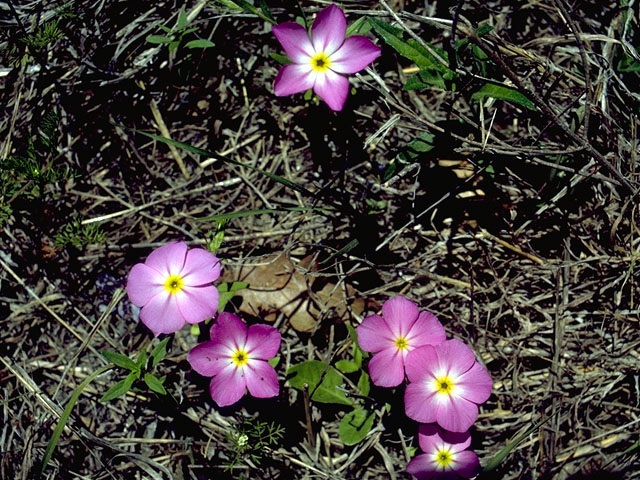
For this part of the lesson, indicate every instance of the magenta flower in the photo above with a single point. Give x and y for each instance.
(236, 358)
(173, 286)
(446, 385)
(444, 455)
(319, 61)
(400, 330)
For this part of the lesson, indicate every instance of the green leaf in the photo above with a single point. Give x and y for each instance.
(347, 248)
(355, 425)
(200, 43)
(274, 361)
(423, 143)
(360, 27)
(281, 59)
(347, 366)
(364, 385)
(154, 383)
(53, 441)
(183, 20)
(120, 360)
(310, 372)
(502, 93)
(227, 291)
(425, 79)
(159, 352)
(393, 37)
(119, 388)
(142, 358)
(247, 7)
(158, 39)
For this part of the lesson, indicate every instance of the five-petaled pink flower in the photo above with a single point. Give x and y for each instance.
(444, 455)
(236, 358)
(400, 330)
(319, 61)
(446, 385)
(173, 286)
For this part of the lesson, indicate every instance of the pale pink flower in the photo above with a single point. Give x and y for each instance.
(446, 385)
(319, 62)
(445, 456)
(401, 329)
(173, 286)
(236, 358)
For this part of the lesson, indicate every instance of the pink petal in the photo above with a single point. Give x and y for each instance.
(144, 283)
(419, 403)
(161, 314)
(295, 41)
(356, 53)
(294, 79)
(168, 259)
(197, 303)
(387, 368)
(467, 464)
(261, 379)
(455, 357)
(228, 386)
(400, 314)
(423, 467)
(455, 414)
(420, 363)
(328, 30)
(229, 330)
(200, 268)
(432, 438)
(210, 358)
(263, 342)
(475, 384)
(374, 334)
(426, 331)
(332, 88)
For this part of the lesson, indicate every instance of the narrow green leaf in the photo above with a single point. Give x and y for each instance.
(248, 213)
(158, 39)
(274, 361)
(347, 366)
(51, 446)
(425, 79)
(347, 248)
(154, 383)
(393, 37)
(227, 292)
(119, 388)
(355, 425)
(360, 27)
(247, 7)
(140, 361)
(159, 352)
(200, 151)
(364, 385)
(120, 360)
(281, 59)
(310, 372)
(502, 93)
(183, 20)
(199, 43)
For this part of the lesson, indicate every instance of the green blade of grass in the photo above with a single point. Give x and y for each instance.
(200, 151)
(51, 446)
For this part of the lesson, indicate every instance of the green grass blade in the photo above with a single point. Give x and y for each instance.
(51, 446)
(200, 151)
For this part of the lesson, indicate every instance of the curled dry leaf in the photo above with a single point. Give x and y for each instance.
(277, 285)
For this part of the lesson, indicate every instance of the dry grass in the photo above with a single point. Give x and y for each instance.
(535, 268)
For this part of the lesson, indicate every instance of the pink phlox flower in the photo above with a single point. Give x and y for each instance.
(173, 286)
(446, 385)
(319, 62)
(236, 358)
(400, 329)
(445, 456)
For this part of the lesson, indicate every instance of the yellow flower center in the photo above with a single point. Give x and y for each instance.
(401, 343)
(443, 458)
(320, 62)
(240, 358)
(444, 385)
(173, 284)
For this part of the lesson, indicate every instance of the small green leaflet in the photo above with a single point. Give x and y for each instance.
(355, 425)
(155, 383)
(310, 372)
(159, 352)
(120, 360)
(120, 388)
(502, 93)
(227, 292)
